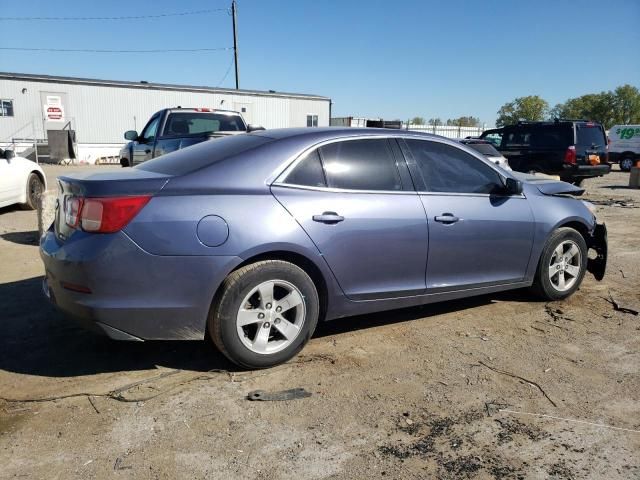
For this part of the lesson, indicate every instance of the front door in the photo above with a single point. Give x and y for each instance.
(478, 234)
(355, 200)
(142, 148)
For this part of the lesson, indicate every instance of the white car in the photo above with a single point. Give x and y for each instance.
(21, 181)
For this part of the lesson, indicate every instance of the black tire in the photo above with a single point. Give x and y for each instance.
(35, 189)
(626, 163)
(542, 285)
(222, 317)
(124, 162)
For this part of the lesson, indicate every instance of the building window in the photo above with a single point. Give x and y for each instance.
(6, 108)
(312, 120)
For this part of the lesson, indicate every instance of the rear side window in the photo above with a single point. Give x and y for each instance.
(194, 123)
(308, 172)
(552, 137)
(590, 135)
(448, 169)
(366, 164)
(203, 154)
(516, 139)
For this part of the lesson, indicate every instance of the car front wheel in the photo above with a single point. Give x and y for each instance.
(266, 312)
(562, 265)
(35, 188)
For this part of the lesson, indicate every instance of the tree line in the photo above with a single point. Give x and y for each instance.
(615, 107)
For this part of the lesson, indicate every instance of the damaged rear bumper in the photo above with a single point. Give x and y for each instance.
(598, 241)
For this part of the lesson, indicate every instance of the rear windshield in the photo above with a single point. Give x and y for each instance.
(484, 148)
(203, 154)
(194, 123)
(589, 135)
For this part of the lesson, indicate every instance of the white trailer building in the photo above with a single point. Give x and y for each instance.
(100, 111)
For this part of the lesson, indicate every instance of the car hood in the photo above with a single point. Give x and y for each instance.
(549, 185)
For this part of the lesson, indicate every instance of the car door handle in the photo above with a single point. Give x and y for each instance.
(446, 218)
(328, 217)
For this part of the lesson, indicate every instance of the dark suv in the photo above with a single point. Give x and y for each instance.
(572, 149)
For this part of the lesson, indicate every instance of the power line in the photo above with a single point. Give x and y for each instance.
(227, 72)
(132, 17)
(86, 50)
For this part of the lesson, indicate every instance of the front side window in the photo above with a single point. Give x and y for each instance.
(6, 108)
(366, 164)
(149, 132)
(447, 169)
(312, 120)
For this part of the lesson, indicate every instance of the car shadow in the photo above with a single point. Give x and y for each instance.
(21, 238)
(11, 208)
(36, 339)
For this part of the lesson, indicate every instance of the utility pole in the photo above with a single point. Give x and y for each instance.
(235, 41)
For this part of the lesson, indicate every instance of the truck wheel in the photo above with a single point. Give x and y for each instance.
(626, 163)
(562, 265)
(124, 162)
(265, 314)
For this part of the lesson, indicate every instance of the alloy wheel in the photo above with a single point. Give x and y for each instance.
(564, 266)
(271, 316)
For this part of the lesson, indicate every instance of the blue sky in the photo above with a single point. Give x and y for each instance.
(373, 58)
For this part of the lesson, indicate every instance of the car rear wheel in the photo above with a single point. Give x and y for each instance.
(562, 265)
(265, 314)
(35, 189)
(626, 163)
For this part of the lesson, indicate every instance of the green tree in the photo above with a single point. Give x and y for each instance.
(417, 121)
(531, 108)
(434, 122)
(464, 122)
(621, 106)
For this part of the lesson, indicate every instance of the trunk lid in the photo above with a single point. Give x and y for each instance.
(125, 182)
(591, 144)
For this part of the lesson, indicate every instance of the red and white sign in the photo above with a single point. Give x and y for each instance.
(55, 114)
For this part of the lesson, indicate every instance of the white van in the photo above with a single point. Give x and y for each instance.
(624, 146)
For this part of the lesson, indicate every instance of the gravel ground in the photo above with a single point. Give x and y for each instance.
(498, 386)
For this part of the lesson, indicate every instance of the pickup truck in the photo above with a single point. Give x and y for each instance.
(175, 128)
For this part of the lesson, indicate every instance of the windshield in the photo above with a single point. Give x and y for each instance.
(198, 123)
(203, 154)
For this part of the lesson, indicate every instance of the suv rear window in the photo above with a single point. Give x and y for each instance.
(551, 137)
(194, 123)
(589, 135)
(203, 154)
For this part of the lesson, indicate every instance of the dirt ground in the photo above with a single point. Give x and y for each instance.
(499, 386)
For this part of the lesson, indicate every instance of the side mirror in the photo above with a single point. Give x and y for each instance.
(130, 135)
(513, 186)
(8, 154)
(254, 128)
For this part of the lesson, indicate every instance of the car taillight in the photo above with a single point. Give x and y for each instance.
(72, 207)
(110, 214)
(570, 155)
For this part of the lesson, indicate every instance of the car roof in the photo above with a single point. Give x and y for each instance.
(322, 133)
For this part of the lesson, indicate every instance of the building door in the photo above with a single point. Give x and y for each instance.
(55, 110)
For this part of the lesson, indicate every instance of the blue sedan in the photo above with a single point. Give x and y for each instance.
(255, 238)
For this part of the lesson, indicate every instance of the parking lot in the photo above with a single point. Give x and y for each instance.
(498, 386)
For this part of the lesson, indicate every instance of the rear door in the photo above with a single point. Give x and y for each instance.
(356, 201)
(478, 236)
(591, 143)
